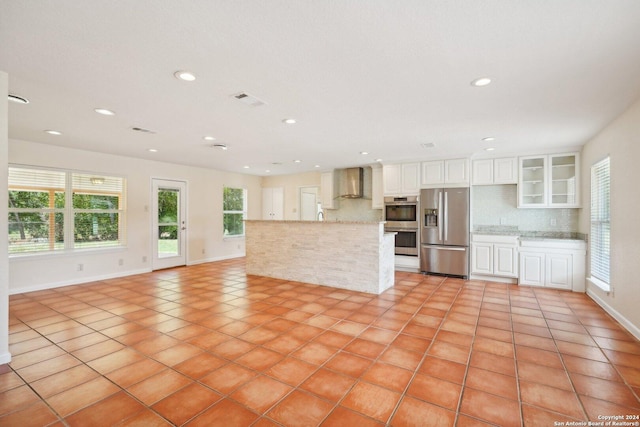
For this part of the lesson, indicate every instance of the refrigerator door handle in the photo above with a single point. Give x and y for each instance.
(446, 248)
(446, 216)
(440, 224)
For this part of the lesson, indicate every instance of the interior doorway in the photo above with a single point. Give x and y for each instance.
(309, 203)
(169, 223)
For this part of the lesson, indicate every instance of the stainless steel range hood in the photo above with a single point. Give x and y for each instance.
(354, 183)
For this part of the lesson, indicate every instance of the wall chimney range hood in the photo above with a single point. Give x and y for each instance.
(354, 183)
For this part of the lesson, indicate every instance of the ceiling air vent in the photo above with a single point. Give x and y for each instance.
(249, 100)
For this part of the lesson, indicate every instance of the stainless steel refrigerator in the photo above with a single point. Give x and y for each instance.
(444, 231)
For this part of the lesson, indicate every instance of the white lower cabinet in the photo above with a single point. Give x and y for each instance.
(494, 255)
(553, 263)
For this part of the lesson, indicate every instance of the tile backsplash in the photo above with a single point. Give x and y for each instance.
(497, 205)
(355, 209)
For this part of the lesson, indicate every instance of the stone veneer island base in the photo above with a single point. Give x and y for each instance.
(358, 256)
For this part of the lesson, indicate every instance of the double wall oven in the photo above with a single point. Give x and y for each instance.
(401, 216)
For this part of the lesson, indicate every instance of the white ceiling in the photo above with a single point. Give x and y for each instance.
(382, 76)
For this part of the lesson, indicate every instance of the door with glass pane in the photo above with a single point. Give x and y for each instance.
(169, 224)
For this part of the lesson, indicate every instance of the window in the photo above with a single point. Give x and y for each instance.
(600, 224)
(234, 211)
(53, 210)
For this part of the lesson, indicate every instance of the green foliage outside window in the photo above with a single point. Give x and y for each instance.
(168, 214)
(234, 211)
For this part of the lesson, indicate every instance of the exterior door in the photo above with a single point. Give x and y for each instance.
(169, 224)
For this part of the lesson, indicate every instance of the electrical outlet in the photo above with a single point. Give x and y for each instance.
(202, 251)
(553, 222)
(80, 267)
(144, 259)
(120, 261)
(503, 220)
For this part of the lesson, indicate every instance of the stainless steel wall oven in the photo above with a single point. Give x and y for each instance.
(402, 217)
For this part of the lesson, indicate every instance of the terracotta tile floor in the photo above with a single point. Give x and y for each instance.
(208, 345)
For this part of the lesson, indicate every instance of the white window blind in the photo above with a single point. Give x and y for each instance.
(600, 221)
(57, 210)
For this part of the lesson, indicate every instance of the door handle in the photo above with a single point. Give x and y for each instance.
(446, 215)
(440, 224)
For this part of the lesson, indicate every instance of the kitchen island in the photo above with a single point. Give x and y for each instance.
(358, 256)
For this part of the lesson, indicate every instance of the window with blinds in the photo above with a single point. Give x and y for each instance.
(600, 223)
(54, 210)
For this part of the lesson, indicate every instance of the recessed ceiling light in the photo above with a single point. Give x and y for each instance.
(297, 161)
(104, 112)
(17, 99)
(378, 160)
(482, 81)
(187, 76)
(316, 166)
(489, 149)
(489, 138)
(428, 145)
(289, 121)
(364, 153)
(152, 150)
(208, 138)
(53, 132)
(245, 167)
(268, 171)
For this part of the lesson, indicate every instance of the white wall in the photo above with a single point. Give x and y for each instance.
(621, 141)
(204, 213)
(5, 356)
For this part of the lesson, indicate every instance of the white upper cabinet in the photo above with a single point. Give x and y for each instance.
(505, 171)
(563, 180)
(495, 171)
(410, 178)
(432, 173)
(377, 192)
(454, 173)
(401, 179)
(549, 181)
(329, 188)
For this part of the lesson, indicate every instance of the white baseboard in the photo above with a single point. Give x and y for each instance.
(5, 358)
(220, 258)
(53, 285)
(633, 329)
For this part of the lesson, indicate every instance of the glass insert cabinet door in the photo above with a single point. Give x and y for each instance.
(549, 181)
(563, 180)
(533, 179)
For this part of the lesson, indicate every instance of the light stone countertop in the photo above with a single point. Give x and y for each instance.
(295, 221)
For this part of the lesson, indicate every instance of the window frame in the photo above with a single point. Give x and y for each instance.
(243, 212)
(600, 225)
(69, 243)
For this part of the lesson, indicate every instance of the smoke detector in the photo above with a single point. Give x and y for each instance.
(249, 100)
